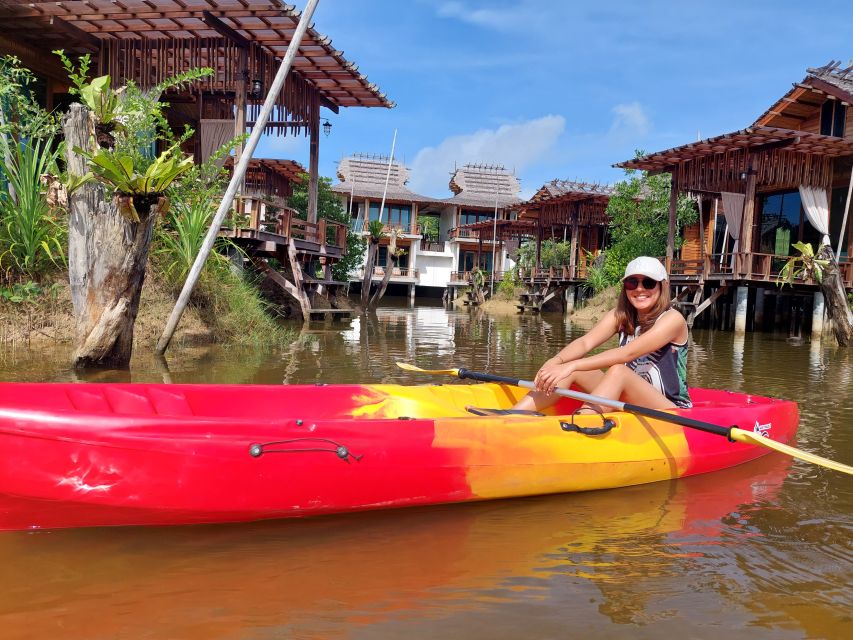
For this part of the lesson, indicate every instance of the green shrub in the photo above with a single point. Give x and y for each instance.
(31, 240)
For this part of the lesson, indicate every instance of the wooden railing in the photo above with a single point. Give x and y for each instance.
(469, 234)
(396, 272)
(324, 232)
(559, 272)
(760, 267)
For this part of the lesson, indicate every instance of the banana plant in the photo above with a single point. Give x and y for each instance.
(102, 100)
(805, 266)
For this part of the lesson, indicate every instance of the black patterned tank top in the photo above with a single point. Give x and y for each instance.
(664, 369)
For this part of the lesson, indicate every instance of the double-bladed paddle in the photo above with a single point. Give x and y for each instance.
(734, 434)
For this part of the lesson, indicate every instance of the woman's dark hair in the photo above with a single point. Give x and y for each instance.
(626, 314)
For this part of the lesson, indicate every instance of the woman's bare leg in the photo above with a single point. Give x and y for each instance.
(538, 400)
(620, 383)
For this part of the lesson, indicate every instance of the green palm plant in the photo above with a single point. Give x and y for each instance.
(178, 240)
(376, 230)
(30, 238)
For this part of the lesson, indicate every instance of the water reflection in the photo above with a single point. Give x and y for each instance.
(610, 558)
(760, 551)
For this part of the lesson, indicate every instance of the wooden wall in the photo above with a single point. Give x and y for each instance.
(691, 249)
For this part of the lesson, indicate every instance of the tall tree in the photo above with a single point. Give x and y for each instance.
(639, 219)
(329, 207)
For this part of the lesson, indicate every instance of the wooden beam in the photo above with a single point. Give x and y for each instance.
(224, 30)
(314, 159)
(331, 106)
(86, 39)
(776, 144)
(673, 209)
(748, 214)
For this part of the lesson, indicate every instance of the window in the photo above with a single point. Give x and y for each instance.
(382, 258)
(470, 216)
(832, 117)
(395, 215)
(783, 222)
(468, 259)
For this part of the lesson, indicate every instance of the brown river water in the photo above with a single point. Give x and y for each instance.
(759, 551)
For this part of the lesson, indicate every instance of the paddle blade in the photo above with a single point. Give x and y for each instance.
(749, 437)
(436, 372)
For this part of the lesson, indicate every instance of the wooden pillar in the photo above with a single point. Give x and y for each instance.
(413, 223)
(314, 157)
(673, 211)
(240, 104)
(758, 315)
(699, 203)
(748, 219)
(538, 248)
(573, 257)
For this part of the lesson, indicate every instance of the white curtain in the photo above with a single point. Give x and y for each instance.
(816, 206)
(215, 133)
(733, 210)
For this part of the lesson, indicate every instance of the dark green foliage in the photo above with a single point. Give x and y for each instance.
(639, 213)
(329, 207)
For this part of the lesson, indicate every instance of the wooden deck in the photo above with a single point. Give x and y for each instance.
(299, 245)
(742, 268)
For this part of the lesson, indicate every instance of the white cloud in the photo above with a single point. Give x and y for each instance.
(629, 120)
(500, 19)
(515, 146)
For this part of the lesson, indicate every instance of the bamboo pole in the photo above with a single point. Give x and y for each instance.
(237, 177)
(387, 176)
(495, 234)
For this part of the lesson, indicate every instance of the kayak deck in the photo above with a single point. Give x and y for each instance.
(174, 454)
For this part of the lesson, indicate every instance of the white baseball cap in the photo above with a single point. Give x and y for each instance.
(646, 266)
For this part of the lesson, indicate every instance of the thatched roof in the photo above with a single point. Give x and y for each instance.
(837, 75)
(363, 176)
(479, 185)
(802, 103)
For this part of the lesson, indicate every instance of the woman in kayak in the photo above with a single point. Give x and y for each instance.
(648, 368)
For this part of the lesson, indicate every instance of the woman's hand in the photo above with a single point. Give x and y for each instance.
(551, 373)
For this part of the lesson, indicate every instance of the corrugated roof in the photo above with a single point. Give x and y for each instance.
(268, 23)
(571, 190)
(799, 141)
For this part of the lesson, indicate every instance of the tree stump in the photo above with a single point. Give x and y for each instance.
(107, 255)
(838, 308)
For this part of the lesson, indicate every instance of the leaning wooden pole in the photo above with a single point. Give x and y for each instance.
(237, 177)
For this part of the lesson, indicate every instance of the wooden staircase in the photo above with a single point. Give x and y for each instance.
(313, 294)
(536, 295)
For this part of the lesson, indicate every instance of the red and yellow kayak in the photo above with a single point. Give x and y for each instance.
(147, 454)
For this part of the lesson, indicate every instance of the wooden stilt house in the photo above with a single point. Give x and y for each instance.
(786, 178)
(146, 42)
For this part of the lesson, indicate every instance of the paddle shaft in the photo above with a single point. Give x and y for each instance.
(616, 404)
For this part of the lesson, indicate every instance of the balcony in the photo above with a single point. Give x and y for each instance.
(398, 274)
(461, 233)
(360, 226)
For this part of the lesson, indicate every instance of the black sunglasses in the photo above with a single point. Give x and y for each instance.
(632, 283)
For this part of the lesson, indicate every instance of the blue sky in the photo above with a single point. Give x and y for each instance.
(562, 89)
